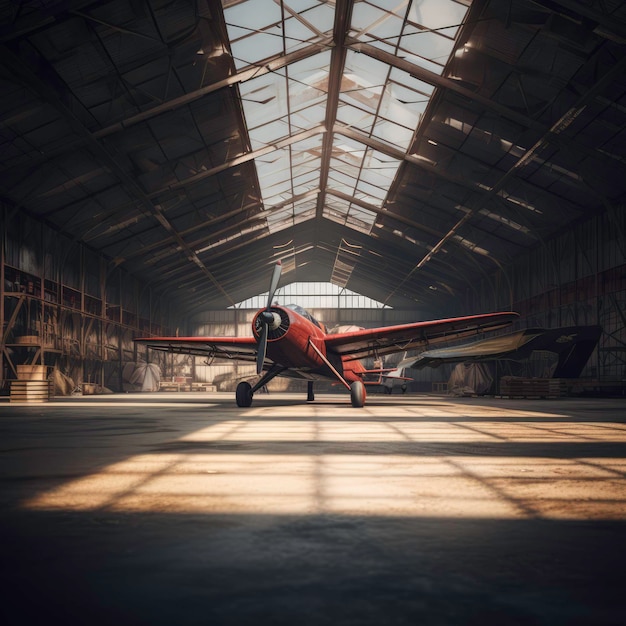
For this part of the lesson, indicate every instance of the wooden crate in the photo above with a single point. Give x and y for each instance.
(89, 389)
(30, 391)
(517, 387)
(169, 386)
(202, 387)
(32, 372)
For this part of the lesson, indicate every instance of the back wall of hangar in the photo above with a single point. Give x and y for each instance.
(442, 158)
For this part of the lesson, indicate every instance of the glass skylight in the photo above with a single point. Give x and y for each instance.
(376, 113)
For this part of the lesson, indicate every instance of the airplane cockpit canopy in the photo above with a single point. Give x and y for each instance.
(300, 311)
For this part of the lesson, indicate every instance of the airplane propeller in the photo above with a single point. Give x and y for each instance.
(267, 318)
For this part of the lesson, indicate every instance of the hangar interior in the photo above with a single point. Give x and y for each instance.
(440, 158)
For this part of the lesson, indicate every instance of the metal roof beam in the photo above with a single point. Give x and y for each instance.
(444, 83)
(608, 26)
(25, 74)
(343, 13)
(239, 77)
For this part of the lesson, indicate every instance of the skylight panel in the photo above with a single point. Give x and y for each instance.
(353, 117)
(367, 190)
(290, 214)
(363, 81)
(361, 218)
(314, 20)
(252, 15)
(349, 214)
(306, 118)
(380, 169)
(264, 100)
(297, 34)
(274, 170)
(394, 107)
(422, 90)
(374, 20)
(253, 30)
(442, 15)
(348, 150)
(394, 134)
(268, 134)
(375, 100)
(340, 182)
(305, 182)
(308, 79)
(405, 99)
(304, 208)
(246, 50)
(336, 208)
(339, 178)
(349, 170)
(428, 50)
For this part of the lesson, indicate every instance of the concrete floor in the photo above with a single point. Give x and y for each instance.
(183, 509)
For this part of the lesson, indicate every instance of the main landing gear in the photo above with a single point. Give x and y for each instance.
(244, 394)
(357, 394)
(245, 391)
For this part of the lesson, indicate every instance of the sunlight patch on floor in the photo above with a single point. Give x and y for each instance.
(410, 463)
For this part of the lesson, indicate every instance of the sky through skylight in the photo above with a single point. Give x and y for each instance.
(378, 110)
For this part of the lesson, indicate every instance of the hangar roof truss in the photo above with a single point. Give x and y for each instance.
(402, 149)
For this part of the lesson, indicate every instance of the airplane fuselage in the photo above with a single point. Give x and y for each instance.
(297, 343)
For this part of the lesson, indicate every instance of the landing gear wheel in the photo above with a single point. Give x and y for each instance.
(357, 394)
(244, 394)
(387, 389)
(403, 388)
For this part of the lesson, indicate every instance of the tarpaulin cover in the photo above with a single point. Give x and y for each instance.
(469, 379)
(145, 375)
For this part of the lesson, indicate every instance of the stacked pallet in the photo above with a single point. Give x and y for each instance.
(518, 387)
(202, 387)
(32, 385)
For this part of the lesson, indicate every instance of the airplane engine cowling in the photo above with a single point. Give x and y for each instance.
(276, 330)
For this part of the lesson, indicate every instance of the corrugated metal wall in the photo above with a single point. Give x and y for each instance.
(67, 307)
(578, 278)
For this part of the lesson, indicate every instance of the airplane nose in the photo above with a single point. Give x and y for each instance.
(271, 319)
(267, 317)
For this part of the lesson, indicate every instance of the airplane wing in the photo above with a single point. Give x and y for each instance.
(572, 344)
(390, 339)
(242, 348)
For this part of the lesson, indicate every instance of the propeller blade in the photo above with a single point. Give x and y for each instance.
(274, 283)
(260, 355)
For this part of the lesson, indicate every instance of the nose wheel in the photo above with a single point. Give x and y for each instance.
(243, 394)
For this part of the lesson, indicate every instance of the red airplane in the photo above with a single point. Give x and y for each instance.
(288, 341)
